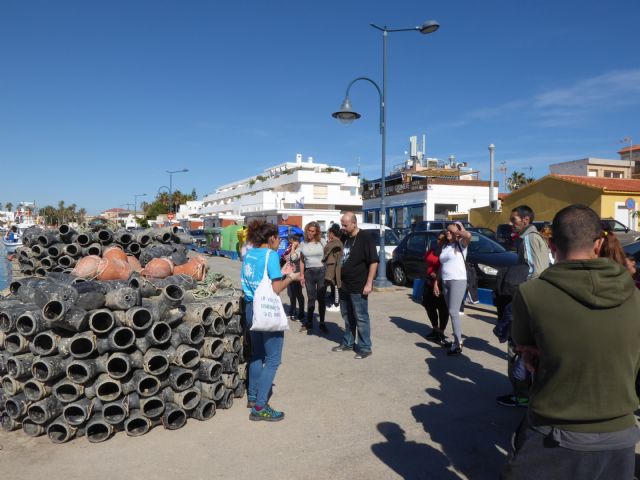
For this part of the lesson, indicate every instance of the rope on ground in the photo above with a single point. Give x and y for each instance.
(213, 285)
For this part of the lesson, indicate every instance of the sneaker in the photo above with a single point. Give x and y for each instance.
(323, 328)
(444, 342)
(342, 348)
(333, 308)
(454, 351)
(267, 414)
(512, 401)
(362, 355)
(251, 402)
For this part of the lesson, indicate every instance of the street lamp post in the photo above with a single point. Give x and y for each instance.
(346, 115)
(135, 204)
(171, 172)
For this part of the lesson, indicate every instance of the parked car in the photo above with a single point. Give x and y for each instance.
(484, 254)
(505, 235)
(427, 225)
(633, 249)
(391, 240)
(624, 233)
(487, 232)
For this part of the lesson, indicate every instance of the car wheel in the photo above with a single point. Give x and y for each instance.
(399, 275)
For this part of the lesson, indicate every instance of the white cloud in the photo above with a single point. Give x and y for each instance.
(584, 99)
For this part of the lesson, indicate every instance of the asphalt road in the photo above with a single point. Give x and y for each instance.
(408, 411)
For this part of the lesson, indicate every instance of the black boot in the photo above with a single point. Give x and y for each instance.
(308, 325)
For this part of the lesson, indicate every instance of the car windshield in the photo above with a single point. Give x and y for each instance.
(390, 238)
(482, 244)
(613, 226)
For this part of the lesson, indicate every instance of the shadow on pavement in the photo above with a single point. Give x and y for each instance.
(411, 326)
(491, 320)
(481, 345)
(472, 430)
(410, 460)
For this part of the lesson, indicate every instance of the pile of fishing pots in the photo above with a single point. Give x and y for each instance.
(104, 254)
(82, 356)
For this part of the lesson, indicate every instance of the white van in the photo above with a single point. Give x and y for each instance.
(391, 240)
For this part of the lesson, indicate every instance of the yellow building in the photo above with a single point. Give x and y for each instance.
(609, 197)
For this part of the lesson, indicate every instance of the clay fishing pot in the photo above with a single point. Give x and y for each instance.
(134, 263)
(114, 252)
(113, 269)
(196, 268)
(158, 268)
(87, 267)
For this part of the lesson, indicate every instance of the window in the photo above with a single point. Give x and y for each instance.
(320, 192)
(442, 210)
(390, 238)
(417, 244)
(399, 218)
(592, 173)
(415, 214)
(613, 174)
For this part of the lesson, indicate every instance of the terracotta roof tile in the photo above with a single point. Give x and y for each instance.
(607, 184)
(633, 148)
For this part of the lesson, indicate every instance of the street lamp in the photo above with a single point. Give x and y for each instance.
(171, 172)
(346, 115)
(135, 204)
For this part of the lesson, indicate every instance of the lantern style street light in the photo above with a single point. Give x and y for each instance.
(346, 115)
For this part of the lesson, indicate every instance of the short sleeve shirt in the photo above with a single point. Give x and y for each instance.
(253, 269)
(359, 253)
(452, 259)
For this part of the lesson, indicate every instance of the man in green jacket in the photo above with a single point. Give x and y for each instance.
(578, 328)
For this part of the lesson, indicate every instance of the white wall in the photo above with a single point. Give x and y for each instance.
(466, 197)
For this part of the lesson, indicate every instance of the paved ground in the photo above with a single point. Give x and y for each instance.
(408, 411)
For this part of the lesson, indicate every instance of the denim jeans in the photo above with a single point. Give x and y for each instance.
(316, 291)
(354, 308)
(266, 356)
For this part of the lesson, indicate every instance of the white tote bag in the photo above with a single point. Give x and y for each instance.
(268, 313)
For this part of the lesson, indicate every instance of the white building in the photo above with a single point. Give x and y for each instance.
(594, 167)
(423, 188)
(293, 193)
(190, 210)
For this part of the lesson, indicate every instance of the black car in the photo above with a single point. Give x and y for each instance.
(633, 249)
(487, 232)
(506, 237)
(426, 225)
(484, 254)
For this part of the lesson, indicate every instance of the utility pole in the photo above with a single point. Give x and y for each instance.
(503, 170)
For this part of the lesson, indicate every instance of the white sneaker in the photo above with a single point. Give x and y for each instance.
(333, 308)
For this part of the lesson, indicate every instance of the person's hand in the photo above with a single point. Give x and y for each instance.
(368, 288)
(287, 269)
(530, 355)
(301, 278)
(433, 275)
(436, 290)
(295, 276)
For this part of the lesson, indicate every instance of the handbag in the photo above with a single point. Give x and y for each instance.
(268, 313)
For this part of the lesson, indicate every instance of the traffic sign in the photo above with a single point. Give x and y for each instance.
(630, 203)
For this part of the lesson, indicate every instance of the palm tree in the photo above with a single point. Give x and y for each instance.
(82, 214)
(517, 180)
(8, 206)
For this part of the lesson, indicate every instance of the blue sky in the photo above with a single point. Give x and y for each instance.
(99, 99)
